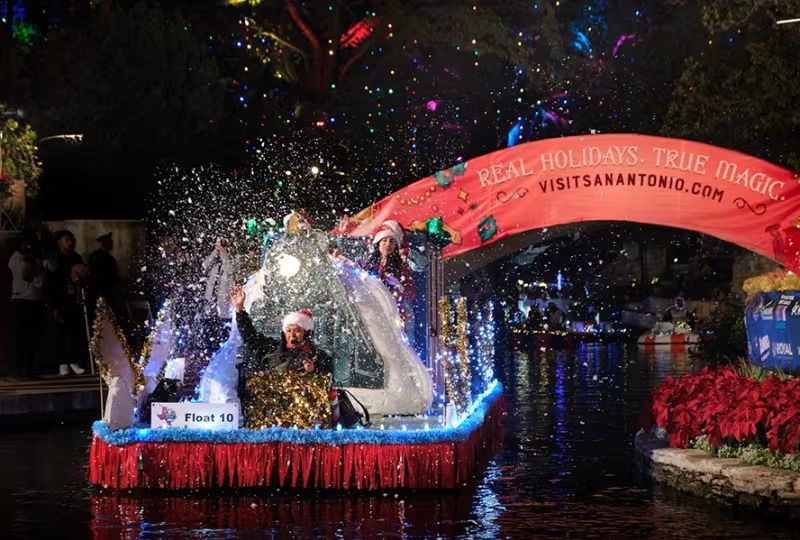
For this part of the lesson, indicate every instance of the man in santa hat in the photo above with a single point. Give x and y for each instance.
(294, 351)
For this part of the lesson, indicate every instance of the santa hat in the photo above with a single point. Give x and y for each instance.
(303, 221)
(302, 318)
(389, 229)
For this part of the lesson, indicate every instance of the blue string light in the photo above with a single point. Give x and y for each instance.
(477, 412)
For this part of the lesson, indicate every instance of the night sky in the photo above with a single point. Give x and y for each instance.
(375, 94)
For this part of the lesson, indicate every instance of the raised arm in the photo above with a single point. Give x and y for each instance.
(257, 344)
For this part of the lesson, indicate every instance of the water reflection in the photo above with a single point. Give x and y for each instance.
(566, 469)
(301, 514)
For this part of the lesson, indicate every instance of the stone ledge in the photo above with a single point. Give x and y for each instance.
(725, 480)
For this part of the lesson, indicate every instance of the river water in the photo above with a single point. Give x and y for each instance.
(566, 470)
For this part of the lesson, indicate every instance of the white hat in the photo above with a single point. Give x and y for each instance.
(302, 318)
(392, 229)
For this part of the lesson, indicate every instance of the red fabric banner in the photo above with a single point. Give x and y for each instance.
(618, 177)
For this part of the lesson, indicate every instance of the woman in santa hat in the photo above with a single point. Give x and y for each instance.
(387, 263)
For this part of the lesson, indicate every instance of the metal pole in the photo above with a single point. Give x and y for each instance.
(87, 327)
(434, 290)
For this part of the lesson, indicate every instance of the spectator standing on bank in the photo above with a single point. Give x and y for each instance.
(104, 278)
(27, 311)
(65, 279)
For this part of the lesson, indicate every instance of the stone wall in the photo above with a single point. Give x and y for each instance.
(724, 480)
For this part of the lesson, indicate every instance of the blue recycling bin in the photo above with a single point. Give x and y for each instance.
(773, 330)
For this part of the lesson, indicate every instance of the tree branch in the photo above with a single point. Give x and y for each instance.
(277, 39)
(273, 36)
(301, 24)
(363, 48)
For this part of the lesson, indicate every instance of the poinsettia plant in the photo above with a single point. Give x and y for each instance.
(729, 408)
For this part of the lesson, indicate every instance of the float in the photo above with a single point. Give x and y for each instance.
(670, 334)
(430, 420)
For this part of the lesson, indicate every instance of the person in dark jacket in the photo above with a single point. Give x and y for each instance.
(295, 351)
(67, 275)
(103, 270)
(104, 281)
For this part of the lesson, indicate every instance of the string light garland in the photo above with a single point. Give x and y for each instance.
(446, 355)
(103, 310)
(461, 432)
(147, 346)
(462, 356)
(288, 399)
(484, 320)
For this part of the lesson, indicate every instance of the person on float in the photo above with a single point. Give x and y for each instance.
(295, 351)
(388, 264)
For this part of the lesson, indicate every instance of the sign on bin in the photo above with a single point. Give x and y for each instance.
(773, 330)
(214, 416)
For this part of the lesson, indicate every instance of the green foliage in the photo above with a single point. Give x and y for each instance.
(723, 15)
(758, 373)
(726, 330)
(753, 454)
(383, 136)
(742, 90)
(19, 156)
(134, 79)
(304, 49)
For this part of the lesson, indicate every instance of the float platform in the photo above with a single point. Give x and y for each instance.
(395, 457)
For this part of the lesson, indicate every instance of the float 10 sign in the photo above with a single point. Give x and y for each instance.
(214, 416)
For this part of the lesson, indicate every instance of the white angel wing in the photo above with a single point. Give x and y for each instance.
(157, 348)
(111, 354)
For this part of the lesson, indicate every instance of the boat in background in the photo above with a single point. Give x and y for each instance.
(677, 334)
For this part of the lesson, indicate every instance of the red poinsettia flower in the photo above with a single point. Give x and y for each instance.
(727, 407)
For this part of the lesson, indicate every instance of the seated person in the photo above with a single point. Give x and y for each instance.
(295, 351)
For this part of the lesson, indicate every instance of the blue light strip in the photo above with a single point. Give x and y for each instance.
(461, 432)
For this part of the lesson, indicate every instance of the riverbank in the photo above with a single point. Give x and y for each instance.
(727, 481)
(49, 399)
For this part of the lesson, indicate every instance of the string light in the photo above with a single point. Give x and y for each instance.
(446, 354)
(462, 355)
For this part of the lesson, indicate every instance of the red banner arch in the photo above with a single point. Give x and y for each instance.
(617, 177)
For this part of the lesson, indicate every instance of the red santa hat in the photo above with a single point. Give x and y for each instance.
(391, 229)
(302, 318)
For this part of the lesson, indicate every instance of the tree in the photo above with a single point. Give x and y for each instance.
(18, 155)
(389, 91)
(316, 45)
(135, 80)
(742, 91)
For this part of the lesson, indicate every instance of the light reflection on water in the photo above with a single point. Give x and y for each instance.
(566, 469)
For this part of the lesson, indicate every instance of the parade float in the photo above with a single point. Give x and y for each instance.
(678, 334)
(426, 422)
